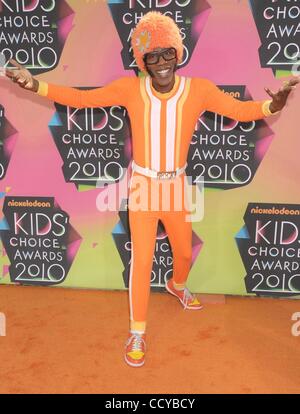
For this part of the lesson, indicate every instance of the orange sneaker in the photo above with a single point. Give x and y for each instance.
(188, 300)
(135, 350)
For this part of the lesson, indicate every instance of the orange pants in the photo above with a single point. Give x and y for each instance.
(143, 228)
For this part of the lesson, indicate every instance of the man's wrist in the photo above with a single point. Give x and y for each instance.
(35, 86)
(272, 109)
(268, 109)
(42, 88)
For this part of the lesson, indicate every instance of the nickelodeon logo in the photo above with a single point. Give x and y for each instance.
(274, 210)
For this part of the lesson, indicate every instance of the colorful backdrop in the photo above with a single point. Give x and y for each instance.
(52, 230)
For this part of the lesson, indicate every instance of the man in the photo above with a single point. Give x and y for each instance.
(163, 109)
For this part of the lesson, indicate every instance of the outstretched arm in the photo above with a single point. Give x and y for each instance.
(218, 101)
(115, 93)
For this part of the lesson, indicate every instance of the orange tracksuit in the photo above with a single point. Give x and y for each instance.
(162, 127)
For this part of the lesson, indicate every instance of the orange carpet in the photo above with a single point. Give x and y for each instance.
(71, 341)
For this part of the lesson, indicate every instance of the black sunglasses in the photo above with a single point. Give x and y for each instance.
(153, 57)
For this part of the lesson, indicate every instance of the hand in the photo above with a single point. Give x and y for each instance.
(22, 76)
(279, 99)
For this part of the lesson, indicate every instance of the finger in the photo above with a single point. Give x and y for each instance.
(292, 82)
(13, 75)
(20, 75)
(27, 84)
(9, 73)
(15, 63)
(288, 89)
(297, 78)
(21, 81)
(287, 85)
(286, 92)
(17, 76)
(269, 92)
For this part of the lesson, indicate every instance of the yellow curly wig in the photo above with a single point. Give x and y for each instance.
(155, 30)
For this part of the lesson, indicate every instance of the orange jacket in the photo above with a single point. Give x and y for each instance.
(162, 123)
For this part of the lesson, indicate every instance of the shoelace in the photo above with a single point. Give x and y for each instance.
(186, 296)
(137, 342)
